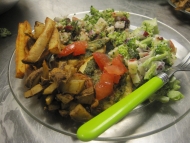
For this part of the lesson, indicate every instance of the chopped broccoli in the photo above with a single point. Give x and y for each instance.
(97, 44)
(151, 71)
(138, 33)
(145, 43)
(122, 49)
(159, 57)
(95, 15)
(4, 32)
(128, 50)
(150, 26)
(161, 47)
(117, 38)
(132, 46)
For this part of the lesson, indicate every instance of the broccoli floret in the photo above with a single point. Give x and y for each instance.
(128, 50)
(97, 44)
(132, 46)
(150, 26)
(94, 11)
(117, 38)
(145, 43)
(151, 71)
(138, 33)
(95, 15)
(4, 32)
(158, 57)
(161, 47)
(122, 49)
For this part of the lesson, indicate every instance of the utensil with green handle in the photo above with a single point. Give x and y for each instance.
(96, 126)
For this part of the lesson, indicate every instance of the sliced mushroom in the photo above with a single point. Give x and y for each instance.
(86, 96)
(33, 78)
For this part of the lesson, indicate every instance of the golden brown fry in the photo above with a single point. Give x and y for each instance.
(40, 45)
(38, 29)
(54, 44)
(21, 43)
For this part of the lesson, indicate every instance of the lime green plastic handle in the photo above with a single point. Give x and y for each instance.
(96, 126)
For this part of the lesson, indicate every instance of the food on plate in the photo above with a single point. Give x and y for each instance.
(182, 4)
(39, 46)
(81, 67)
(21, 44)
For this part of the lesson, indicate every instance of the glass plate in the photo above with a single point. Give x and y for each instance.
(141, 122)
(173, 5)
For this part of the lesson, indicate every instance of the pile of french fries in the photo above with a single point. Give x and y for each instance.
(46, 39)
(182, 4)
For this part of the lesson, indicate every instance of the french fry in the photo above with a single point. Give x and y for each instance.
(54, 44)
(40, 45)
(38, 29)
(21, 43)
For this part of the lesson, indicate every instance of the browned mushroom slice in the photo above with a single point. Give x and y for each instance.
(33, 78)
(80, 114)
(57, 75)
(45, 73)
(86, 96)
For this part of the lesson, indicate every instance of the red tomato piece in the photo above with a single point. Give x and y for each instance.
(118, 62)
(80, 48)
(67, 50)
(77, 48)
(114, 69)
(116, 79)
(101, 59)
(104, 87)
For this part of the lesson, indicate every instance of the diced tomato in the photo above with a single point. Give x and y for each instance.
(67, 50)
(77, 48)
(105, 86)
(117, 61)
(114, 69)
(116, 79)
(101, 59)
(80, 48)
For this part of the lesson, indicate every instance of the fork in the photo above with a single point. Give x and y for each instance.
(100, 123)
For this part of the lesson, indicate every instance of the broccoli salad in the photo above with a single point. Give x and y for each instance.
(144, 52)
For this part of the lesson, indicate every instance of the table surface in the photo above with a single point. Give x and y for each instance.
(15, 125)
